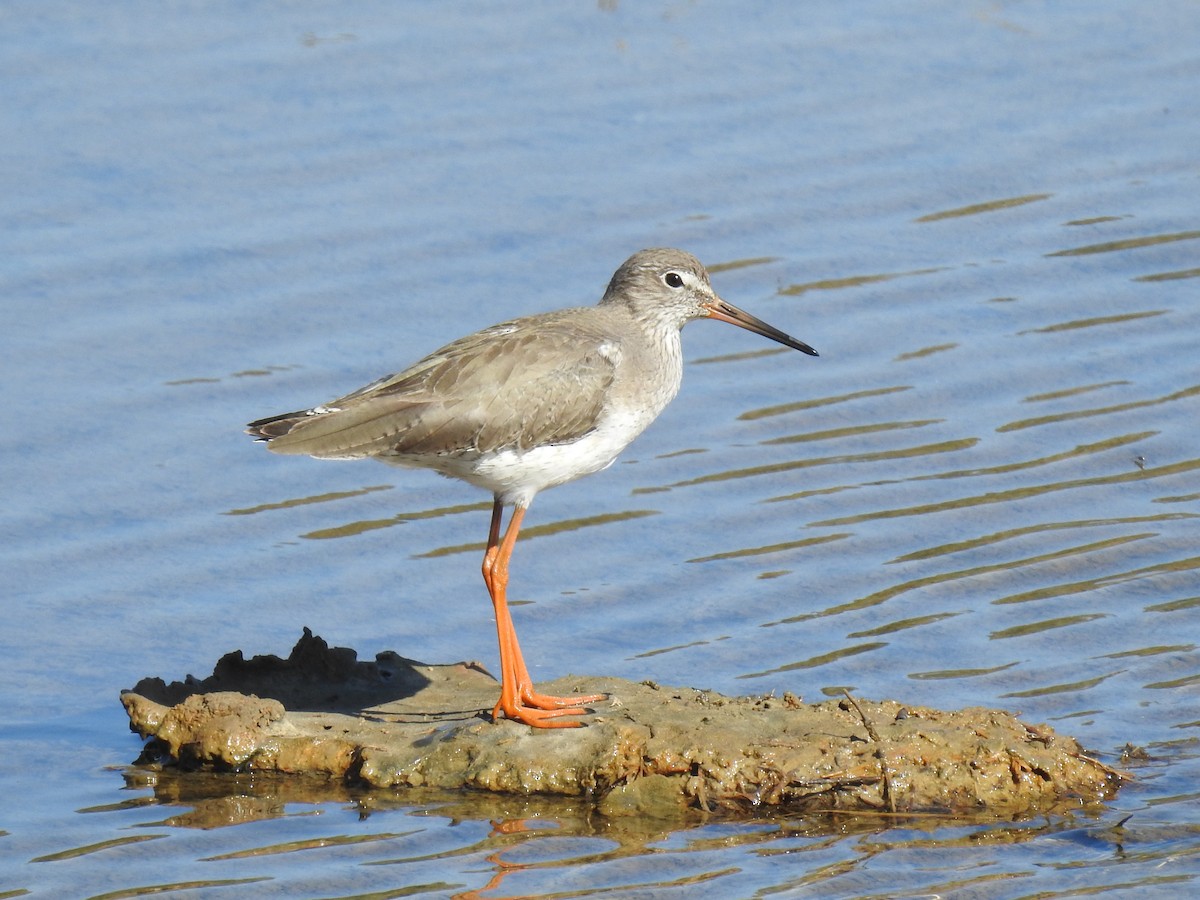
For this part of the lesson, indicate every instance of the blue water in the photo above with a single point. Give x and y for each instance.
(985, 491)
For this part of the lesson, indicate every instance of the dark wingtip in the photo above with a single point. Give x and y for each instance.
(274, 426)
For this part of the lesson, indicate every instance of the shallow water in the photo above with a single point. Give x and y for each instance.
(985, 491)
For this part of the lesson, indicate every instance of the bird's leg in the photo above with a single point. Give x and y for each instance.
(518, 700)
(497, 585)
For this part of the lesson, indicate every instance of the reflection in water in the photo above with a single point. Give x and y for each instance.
(350, 529)
(1170, 276)
(924, 351)
(1186, 564)
(1040, 528)
(822, 659)
(1071, 687)
(488, 846)
(903, 624)
(1100, 411)
(1071, 392)
(1080, 450)
(1045, 625)
(76, 852)
(560, 527)
(714, 268)
(960, 673)
(842, 459)
(1095, 321)
(882, 596)
(848, 431)
(305, 501)
(798, 405)
(978, 208)
(1021, 493)
(1129, 244)
(771, 548)
(853, 281)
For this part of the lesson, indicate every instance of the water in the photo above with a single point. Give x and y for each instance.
(985, 491)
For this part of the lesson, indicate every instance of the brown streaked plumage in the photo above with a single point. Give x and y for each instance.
(526, 405)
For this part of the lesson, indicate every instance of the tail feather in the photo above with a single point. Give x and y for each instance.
(277, 426)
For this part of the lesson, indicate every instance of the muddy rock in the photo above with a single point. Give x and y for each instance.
(648, 750)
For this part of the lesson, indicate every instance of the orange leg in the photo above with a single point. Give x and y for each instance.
(518, 699)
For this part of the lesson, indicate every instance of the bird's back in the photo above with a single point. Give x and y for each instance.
(539, 380)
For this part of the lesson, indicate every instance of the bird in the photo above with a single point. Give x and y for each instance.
(523, 406)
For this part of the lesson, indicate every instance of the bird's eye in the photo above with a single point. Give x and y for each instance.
(673, 279)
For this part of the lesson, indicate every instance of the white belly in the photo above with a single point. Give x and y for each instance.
(517, 475)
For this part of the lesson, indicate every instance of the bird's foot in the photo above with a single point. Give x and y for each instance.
(542, 710)
(537, 718)
(547, 701)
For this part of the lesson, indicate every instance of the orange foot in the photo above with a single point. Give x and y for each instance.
(542, 710)
(547, 701)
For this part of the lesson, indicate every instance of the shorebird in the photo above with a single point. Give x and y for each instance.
(523, 406)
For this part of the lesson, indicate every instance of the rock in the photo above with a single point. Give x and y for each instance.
(648, 751)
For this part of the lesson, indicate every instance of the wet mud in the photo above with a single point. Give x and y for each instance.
(649, 750)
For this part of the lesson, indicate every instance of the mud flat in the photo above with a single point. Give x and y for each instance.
(648, 750)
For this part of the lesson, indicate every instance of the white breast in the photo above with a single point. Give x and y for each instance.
(517, 475)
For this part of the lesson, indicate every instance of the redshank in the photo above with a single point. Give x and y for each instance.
(527, 405)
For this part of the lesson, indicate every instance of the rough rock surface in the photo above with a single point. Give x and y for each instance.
(648, 750)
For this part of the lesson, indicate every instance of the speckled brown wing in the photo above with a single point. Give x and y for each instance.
(521, 384)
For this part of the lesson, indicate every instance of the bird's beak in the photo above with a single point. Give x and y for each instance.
(727, 312)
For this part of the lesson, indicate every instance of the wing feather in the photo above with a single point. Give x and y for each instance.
(539, 380)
